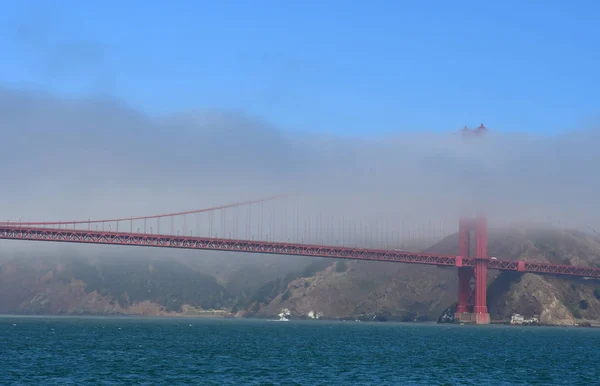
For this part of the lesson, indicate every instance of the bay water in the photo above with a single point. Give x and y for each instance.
(183, 351)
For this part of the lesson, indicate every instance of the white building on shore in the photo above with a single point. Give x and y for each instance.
(520, 319)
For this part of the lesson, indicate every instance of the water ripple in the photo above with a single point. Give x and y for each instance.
(117, 351)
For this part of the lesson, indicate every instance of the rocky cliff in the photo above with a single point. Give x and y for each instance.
(385, 291)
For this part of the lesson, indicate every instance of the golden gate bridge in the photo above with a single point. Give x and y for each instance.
(241, 227)
(146, 231)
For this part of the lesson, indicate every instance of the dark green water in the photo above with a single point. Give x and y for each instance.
(76, 351)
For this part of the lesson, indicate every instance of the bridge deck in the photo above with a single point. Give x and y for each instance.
(18, 232)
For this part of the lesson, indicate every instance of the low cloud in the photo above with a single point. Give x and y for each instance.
(66, 159)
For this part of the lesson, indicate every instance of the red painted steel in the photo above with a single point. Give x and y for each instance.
(15, 232)
(555, 269)
(481, 266)
(123, 219)
(249, 246)
(481, 130)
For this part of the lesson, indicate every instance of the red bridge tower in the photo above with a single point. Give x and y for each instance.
(472, 281)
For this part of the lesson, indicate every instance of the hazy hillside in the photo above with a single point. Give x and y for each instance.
(411, 292)
(137, 284)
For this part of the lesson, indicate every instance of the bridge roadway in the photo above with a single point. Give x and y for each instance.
(14, 231)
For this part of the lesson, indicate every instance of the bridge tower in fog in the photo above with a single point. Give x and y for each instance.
(472, 281)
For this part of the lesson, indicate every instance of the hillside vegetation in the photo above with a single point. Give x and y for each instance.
(139, 285)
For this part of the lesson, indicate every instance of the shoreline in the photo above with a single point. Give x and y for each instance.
(229, 316)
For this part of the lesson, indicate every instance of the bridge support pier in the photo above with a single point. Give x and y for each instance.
(472, 282)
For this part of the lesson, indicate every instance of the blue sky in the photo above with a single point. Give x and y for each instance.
(341, 67)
